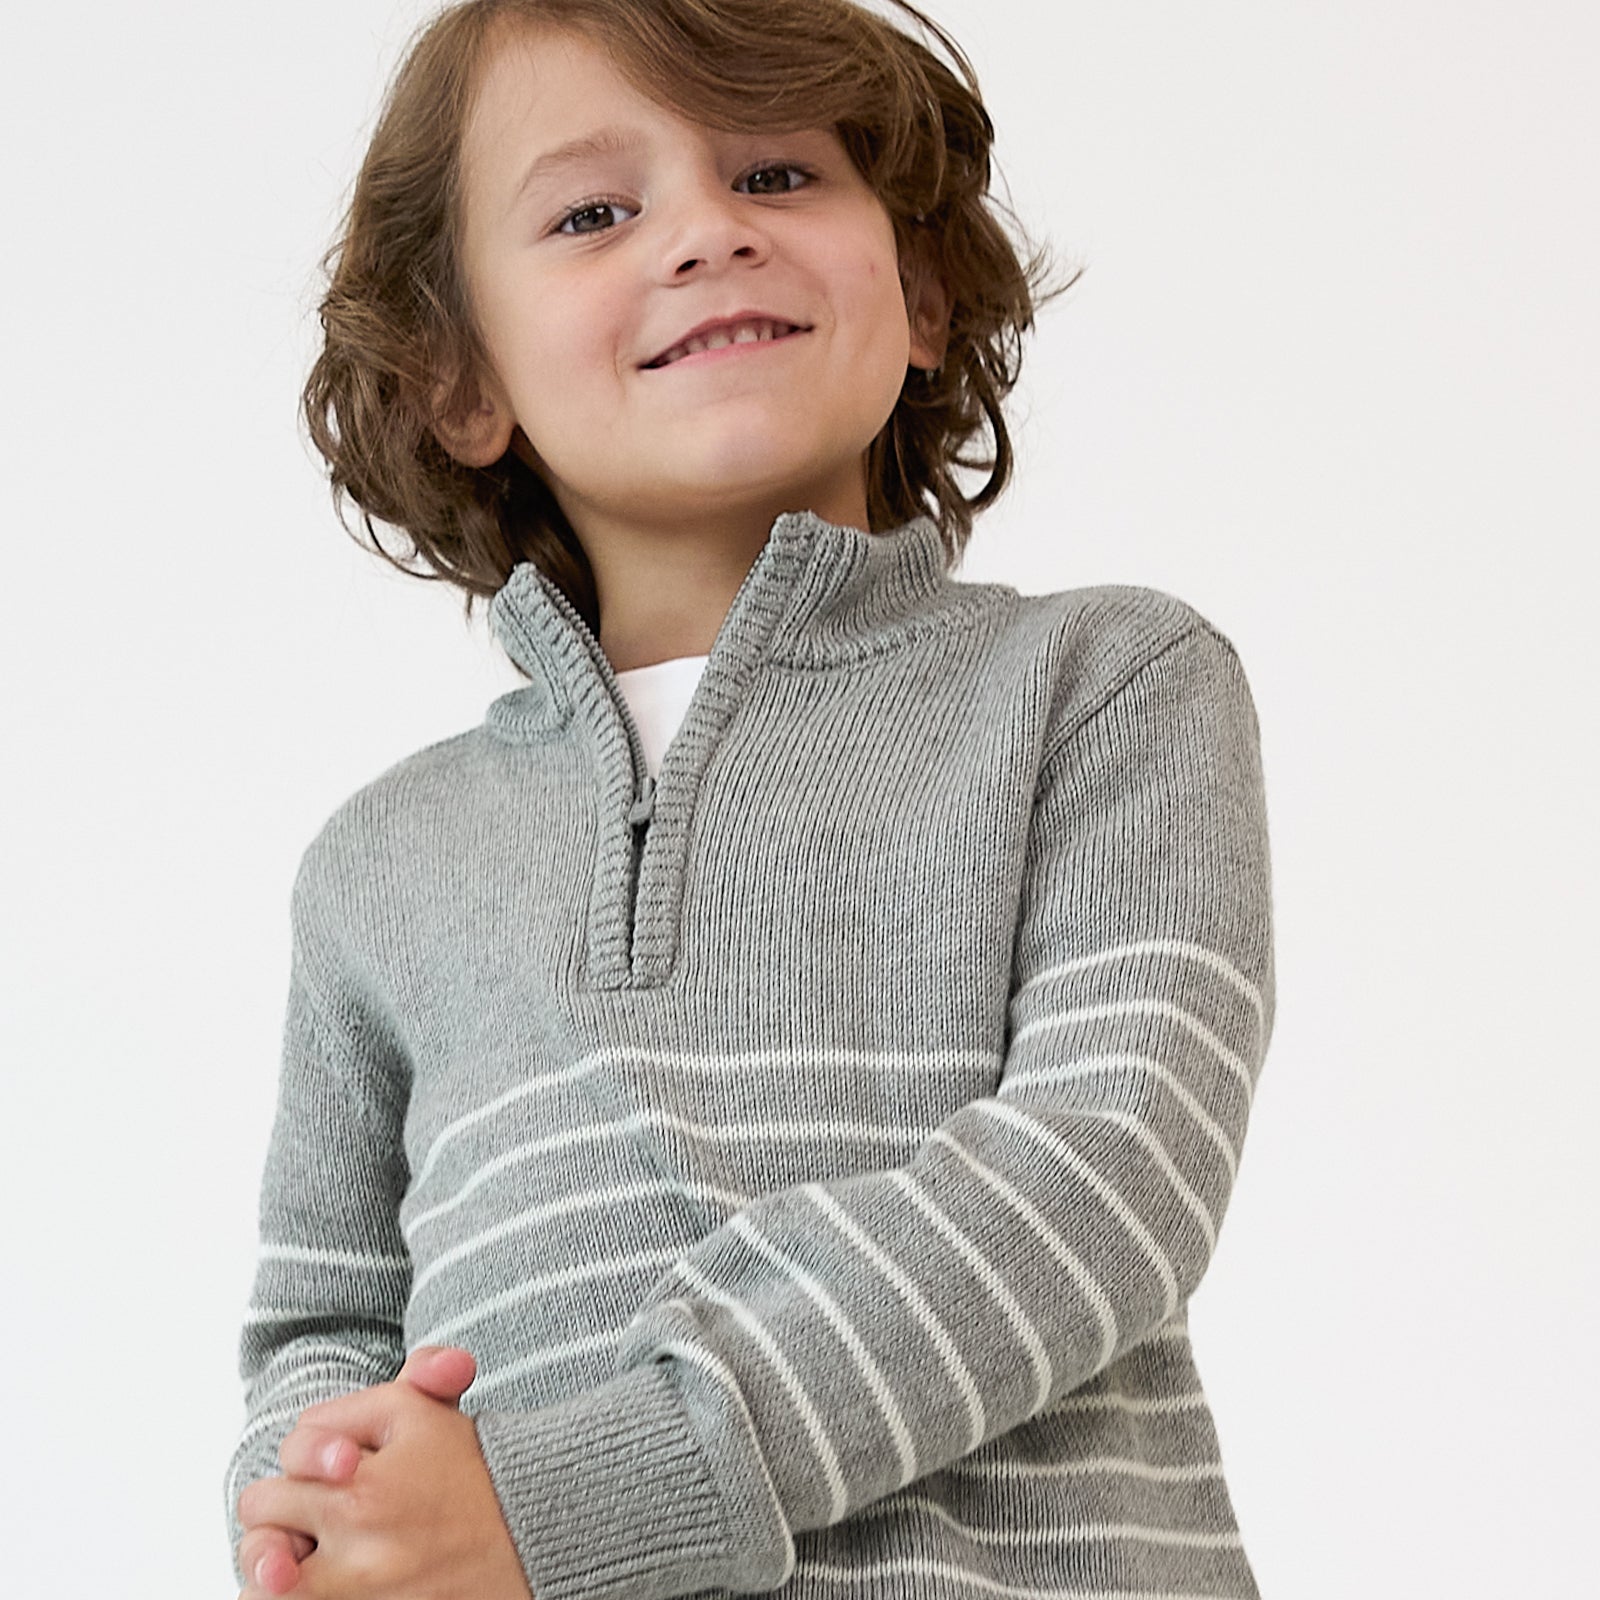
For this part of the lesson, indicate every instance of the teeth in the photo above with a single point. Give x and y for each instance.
(760, 332)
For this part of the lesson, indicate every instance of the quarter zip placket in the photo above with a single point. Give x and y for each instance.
(642, 786)
(644, 808)
(645, 826)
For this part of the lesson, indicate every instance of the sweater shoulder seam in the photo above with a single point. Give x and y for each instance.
(1120, 685)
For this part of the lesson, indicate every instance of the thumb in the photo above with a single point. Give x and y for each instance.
(443, 1372)
(365, 1416)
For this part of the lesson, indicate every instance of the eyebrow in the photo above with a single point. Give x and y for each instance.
(603, 142)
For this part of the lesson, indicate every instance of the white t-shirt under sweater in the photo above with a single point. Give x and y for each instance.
(658, 696)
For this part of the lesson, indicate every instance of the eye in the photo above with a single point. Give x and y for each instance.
(594, 216)
(777, 178)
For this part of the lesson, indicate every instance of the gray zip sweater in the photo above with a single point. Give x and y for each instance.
(817, 1146)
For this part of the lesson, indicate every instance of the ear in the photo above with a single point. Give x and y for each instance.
(928, 307)
(478, 434)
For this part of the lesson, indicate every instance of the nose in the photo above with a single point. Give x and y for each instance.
(713, 228)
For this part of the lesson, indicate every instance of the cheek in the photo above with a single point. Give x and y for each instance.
(878, 302)
(581, 338)
(552, 357)
(890, 320)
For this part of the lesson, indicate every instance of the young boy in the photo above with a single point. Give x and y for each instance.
(812, 1121)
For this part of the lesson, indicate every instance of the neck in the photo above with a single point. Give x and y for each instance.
(817, 596)
(664, 589)
(661, 598)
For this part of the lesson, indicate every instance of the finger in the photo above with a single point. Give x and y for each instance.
(296, 1503)
(310, 1451)
(444, 1372)
(367, 1416)
(270, 1559)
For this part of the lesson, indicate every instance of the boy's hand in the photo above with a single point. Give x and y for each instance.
(271, 1556)
(418, 1519)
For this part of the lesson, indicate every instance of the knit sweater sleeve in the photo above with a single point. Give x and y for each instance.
(830, 1343)
(332, 1277)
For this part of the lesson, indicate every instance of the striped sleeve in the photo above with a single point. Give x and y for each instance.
(831, 1343)
(333, 1273)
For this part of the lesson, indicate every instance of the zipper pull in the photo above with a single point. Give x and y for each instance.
(645, 806)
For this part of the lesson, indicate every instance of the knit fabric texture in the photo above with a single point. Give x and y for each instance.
(817, 1144)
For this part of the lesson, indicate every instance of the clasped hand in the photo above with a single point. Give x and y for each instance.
(384, 1496)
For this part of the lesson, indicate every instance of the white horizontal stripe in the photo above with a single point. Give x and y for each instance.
(261, 1316)
(805, 1132)
(330, 1369)
(319, 1349)
(1158, 1154)
(1085, 1466)
(740, 1063)
(936, 1064)
(946, 1572)
(811, 1418)
(548, 1355)
(1057, 1533)
(1136, 1405)
(1065, 1071)
(311, 1256)
(522, 1152)
(1182, 948)
(946, 1346)
(587, 1201)
(1064, 1255)
(987, 1275)
(1231, 1059)
(590, 1133)
(877, 1384)
(1119, 1208)
(799, 1130)
(651, 1261)
(258, 1315)
(542, 1084)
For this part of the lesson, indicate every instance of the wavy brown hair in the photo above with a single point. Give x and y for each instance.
(396, 314)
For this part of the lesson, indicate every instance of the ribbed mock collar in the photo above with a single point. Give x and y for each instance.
(816, 595)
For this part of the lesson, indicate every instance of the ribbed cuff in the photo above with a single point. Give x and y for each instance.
(609, 1496)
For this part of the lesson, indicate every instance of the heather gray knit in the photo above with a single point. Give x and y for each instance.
(817, 1148)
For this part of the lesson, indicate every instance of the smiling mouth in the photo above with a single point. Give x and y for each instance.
(755, 330)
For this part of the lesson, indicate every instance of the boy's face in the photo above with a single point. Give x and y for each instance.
(602, 232)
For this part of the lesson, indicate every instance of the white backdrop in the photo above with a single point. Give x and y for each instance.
(1330, 376)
